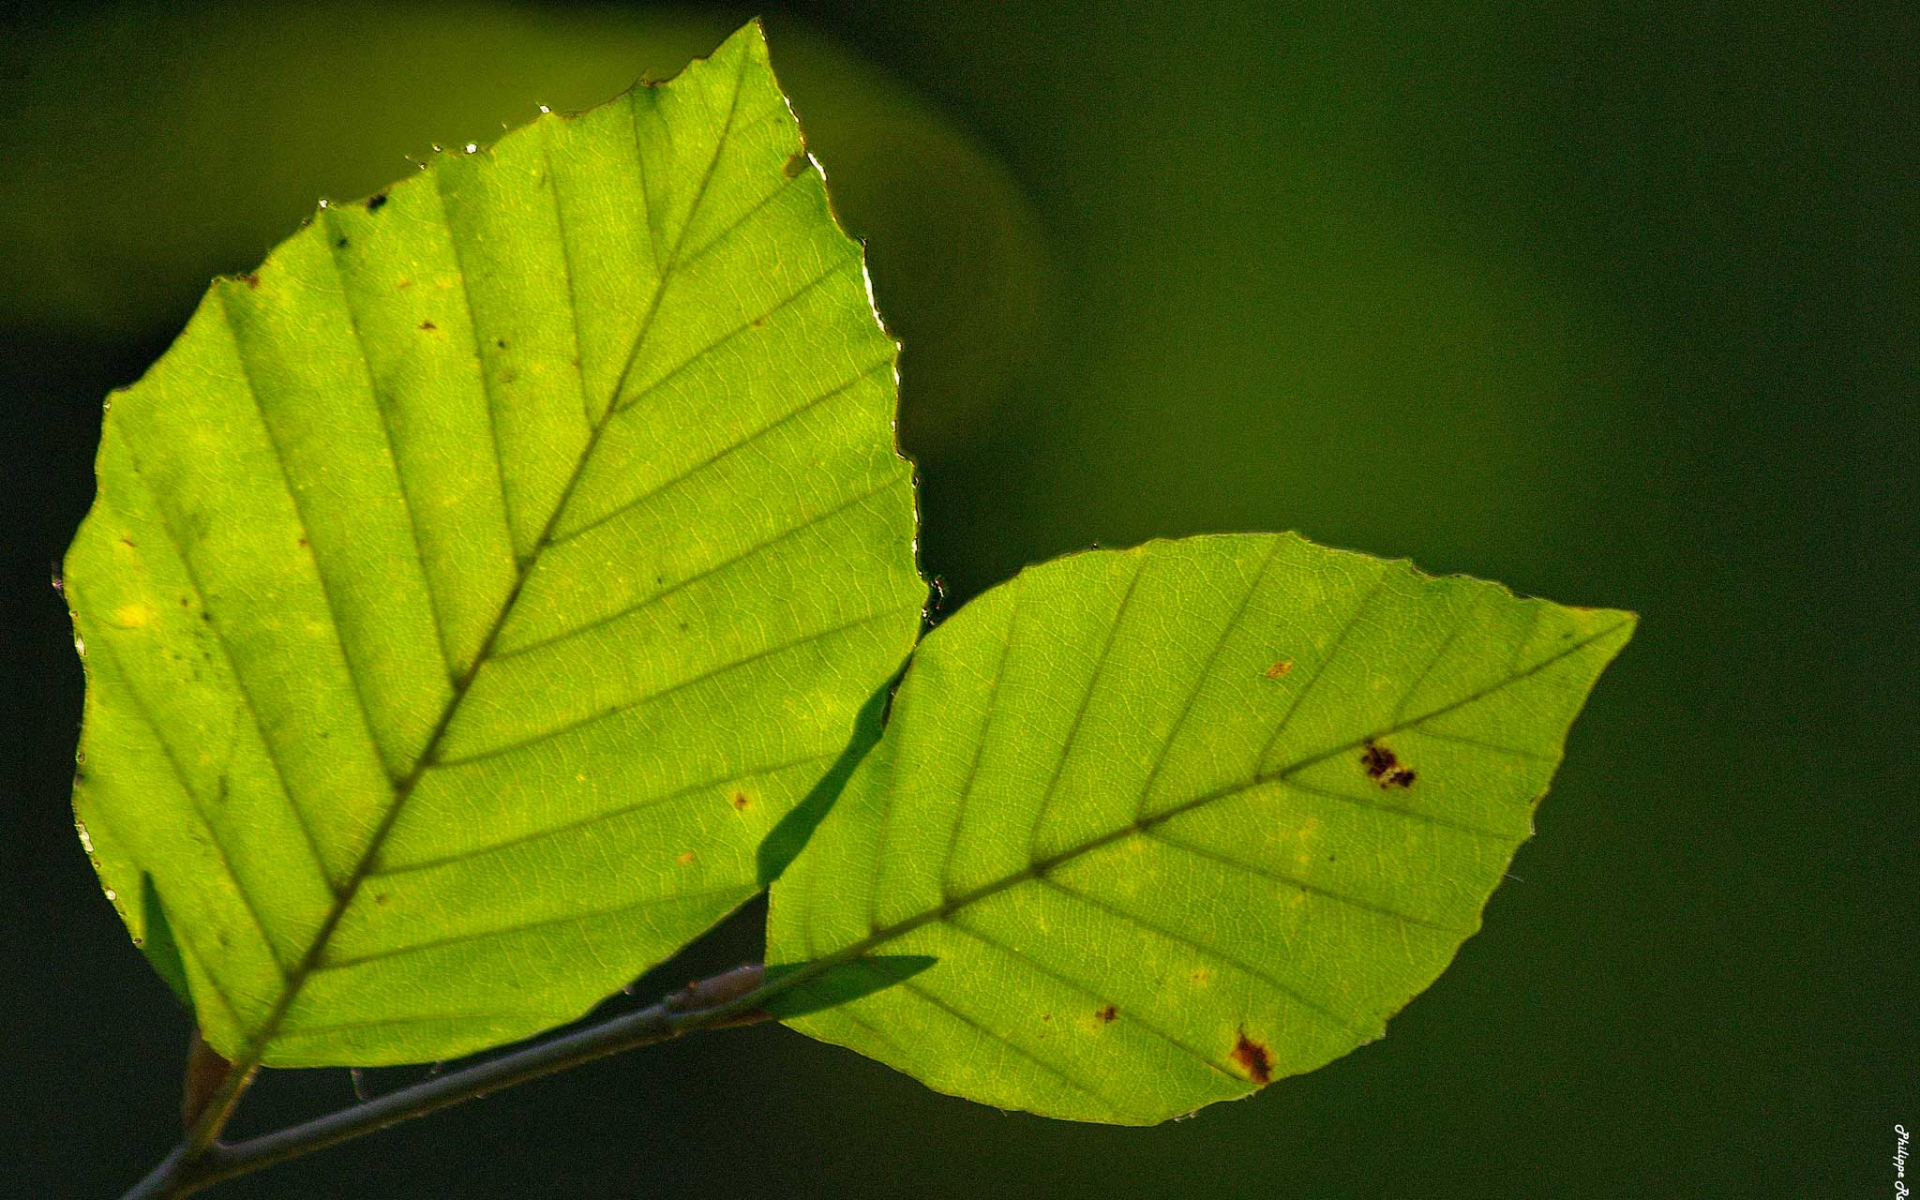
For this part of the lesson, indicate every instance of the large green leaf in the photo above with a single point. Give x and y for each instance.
(1180, 820)
(472, 588)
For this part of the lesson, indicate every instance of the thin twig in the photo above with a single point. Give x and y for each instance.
(732, 998)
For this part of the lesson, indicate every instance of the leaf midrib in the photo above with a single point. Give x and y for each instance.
(1040, 868)
(345, 892)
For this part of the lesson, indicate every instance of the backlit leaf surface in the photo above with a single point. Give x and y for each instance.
(1176, 821)
(471, 589)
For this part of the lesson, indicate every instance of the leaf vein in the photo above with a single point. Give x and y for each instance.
(1493, 747)
(704, 573)
(1093, 993)
(233, 668)
(479, 354)
(1398, 810)
(718, 455)
(1320, 669)
(627, 404)
(345, 963)
(979, 753)
(598, 818)
(330, 222)
(1213, 952)
(199, 810)
(666, 270)
(213, 982)
(1453, 635)
(974, 1023)
(625, 706)
(573, 295)
(1200, 679)
(715, 242)
(1086, 702)
(316, 1031)
(313, 555)
(1282, 877)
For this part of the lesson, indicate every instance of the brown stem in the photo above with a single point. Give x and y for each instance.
(731, 998)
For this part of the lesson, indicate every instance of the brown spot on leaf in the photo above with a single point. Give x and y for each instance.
(250, 279)
(1385, 768)
(302, 539)
(342, 243)
(796, 163)
(1283, 667)
(1254, 1059)
(428, 327)
(376, 201)
(685, 860)
(740, 801)
(381, 897)
(1202, 976)
(404, 284)
(1108, 1015)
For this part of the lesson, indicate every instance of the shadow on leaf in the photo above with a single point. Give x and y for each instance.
(786, 840)
(158, 944)
(841, 984)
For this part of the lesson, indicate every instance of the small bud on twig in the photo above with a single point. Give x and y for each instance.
(716, 990)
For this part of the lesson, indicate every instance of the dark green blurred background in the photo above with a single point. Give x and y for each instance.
(1612, 303)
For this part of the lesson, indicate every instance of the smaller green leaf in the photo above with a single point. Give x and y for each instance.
(1180, 820)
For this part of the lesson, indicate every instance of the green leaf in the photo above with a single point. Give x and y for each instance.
(1180, 820)
(472, 589)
